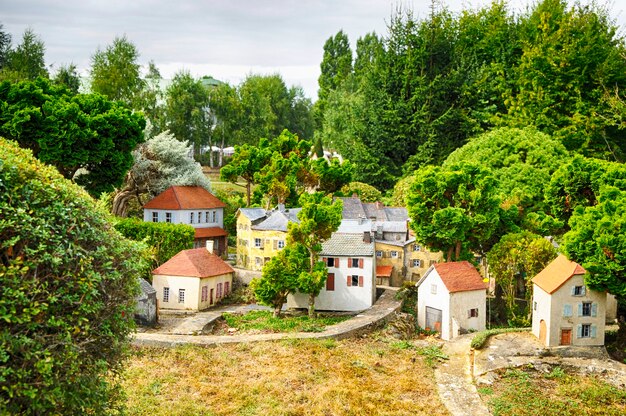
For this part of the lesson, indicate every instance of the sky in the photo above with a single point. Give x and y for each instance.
(227, 39)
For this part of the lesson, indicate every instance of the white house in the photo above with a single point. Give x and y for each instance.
(452, 299)
(195, 206)
(193, 279)
(565, 311)
(351, 284)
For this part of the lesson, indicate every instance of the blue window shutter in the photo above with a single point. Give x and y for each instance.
(580, 309)
(593, 331)
(567, 310)
(579, 331)
(573, 290)
(584, 290)
(594, 309)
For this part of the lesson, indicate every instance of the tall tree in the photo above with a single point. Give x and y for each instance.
(115, 71)
(27, 60)
(5, 46)
(245, 164)
(336, 65)
(67, 75)
(319, 218)
(150, 98)
(226, 109)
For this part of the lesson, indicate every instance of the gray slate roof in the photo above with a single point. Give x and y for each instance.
(354, 209)
(146, 287)
(344, 244)
(278, 220)
(253, 214)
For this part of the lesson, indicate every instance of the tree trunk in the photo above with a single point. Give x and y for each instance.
(277, 310)
(221, 161)
(120, 202)
(450, 250)
(311, 305)
(248, 188)
(457, 252)
(211, 164)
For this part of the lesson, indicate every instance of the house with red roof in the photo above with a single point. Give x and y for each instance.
(565, 310)
(452, 299)
(195, 206)
(193, 280)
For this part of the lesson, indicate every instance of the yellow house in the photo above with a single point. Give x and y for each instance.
(261, 234)
(419, 259)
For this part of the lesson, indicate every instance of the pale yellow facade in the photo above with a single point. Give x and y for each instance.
(256, 247)
(419, 259)
(391, 255)
(190, 293)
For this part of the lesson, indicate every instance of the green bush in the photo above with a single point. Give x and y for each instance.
(480, 339)
(68, 283)
(365, 192)
(166, 238)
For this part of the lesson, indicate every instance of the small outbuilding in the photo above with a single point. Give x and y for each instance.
(452, 299)
(193, 280)
(146, 306)
(565, 310)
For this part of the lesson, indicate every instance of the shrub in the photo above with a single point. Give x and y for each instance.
(67, 293)
(365, 192)
(480, 339)
(166, 238)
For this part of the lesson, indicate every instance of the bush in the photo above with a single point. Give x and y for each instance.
(365, 192)
(480, 339)
(166, 238)
(67, 293)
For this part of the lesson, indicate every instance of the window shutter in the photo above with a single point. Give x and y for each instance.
(336, 261)
(580, 309)
(573, 290)
(349, 282)
(469, 313)
(583, 291)
(325, 260)
(360, 281)
(594, 309)
(593, 331)
(387, 254)
(579, 331)
(567, 310)
(275, 244)
(330, 281)
(360, 263)
(349, 262)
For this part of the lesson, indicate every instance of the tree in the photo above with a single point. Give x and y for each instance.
(5, 47)
(27, 61)
(226, 108)
(280, 277)
(67, 297)
(68, 76)
(365, 192)
(319, 218)
(336, 67)
(115, 72)
(149, 98)
(245, 163)
(87, 137)
(516, 259)
(456, 210)
(159, 162)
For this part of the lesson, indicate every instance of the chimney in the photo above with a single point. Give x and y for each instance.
(209, 246)
(367, 237)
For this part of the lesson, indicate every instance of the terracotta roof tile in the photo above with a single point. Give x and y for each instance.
(210, 232)
(460, 276)
(185, 197)
(384, 271)
(196, 262)
(557, 273)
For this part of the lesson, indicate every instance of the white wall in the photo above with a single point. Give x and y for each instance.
(344, 297)
(354, 226)
(183, 216)
(461, 303)
(439, 300)
(541, 307)
(193, 291)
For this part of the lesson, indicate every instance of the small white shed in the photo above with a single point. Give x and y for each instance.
(452, 299)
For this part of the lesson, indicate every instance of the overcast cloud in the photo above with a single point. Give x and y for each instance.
(227, 39)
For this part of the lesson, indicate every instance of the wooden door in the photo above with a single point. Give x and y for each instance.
(566, 336)
(433, 319)
(542, 332)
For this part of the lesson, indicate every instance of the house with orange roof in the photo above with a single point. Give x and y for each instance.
(452, 299)
(195, 206)
(193, 279)
(565, 310)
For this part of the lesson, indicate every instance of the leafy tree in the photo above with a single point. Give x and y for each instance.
(5, 46)
(319, 218)
(365, 192)
(401, 192)
(115, 72)
(331, 175)
(83, 132)
(335, 68)
(456, 210)
(27, 61)
(67, 297)
(67, 76)
(150, 98)
(518, 257)
(225, 107)
(159, 162)
(245, 163)
(280, 277)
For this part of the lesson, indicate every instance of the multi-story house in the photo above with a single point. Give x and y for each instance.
(195, 206)
(261, 234)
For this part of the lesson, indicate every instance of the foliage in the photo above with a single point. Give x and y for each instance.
(365, 192)
(160, 162)
(72, 132)
(5, 46)
(234, 201)
(408, 295)
(245, 163)
(480, 339)
(401, 191)
(115, 71)
(331, 175)
(26, 61)
(456, 209)
(67, 295)
(67, 75)
(167, 239)
(264, 321)
(518, 256)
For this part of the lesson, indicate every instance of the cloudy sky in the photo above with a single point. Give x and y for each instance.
(227, 39)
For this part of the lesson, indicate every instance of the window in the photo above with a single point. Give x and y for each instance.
(330, 262)
(433, 289)
(379, 254)
(214, 217)
(181, 295)
(219, 290)
(585, 331)
(155, 217)
(355, 263)
(206, 216)
(199, 216)
(191, 214)
(226, 288)
(578, 291)
(416, 263)
(586, 309)
(168, 217)
(330, 282)
(355, 280)
(472, 313)
(166, 294)
(567, 310)
(416, 247)
(205, 293)
(394, 254)
(258, 243)
(258, 261)
(281, 244)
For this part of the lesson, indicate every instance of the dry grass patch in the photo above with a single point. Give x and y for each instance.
(295, 377)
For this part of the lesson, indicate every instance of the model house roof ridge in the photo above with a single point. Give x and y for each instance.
(555, 274)
(195, 262)
(185, 197)
(459, 276)
(347, 244)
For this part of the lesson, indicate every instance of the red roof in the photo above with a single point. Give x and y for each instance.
(196, 262)
(383, 271)
(185, 197)
(460, 276)
(210, 232)
(557, 273)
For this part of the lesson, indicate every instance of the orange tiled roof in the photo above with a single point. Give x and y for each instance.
(196, 262)
(185, 197)
(383, 271)
(557, 273)
(210, 232)
(460, 276)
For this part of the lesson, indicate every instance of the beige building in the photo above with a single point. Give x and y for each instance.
(192, 280)
(565, 310)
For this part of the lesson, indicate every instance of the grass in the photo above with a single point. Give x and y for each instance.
(292, 377)
(264, 321)
(522, 392)
(481, 338)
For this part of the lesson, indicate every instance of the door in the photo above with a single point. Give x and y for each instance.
(542, 332)
(433, 319)
(566, 336)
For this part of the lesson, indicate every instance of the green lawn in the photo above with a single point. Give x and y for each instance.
(264, 322)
